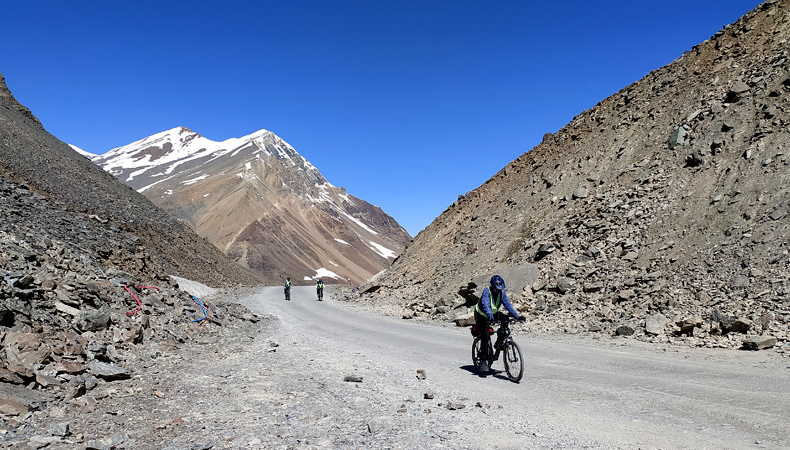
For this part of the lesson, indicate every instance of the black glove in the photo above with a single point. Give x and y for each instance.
(522, 319)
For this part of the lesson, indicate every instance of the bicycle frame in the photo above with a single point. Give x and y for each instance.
(504, 345)
(503, 336)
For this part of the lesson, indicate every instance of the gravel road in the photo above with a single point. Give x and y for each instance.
(284, 385)
(577, 392)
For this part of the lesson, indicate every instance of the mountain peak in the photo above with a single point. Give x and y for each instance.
(258, 134)
(175, 131)
(261, 202)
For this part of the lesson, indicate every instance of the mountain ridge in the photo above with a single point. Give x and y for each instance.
(667, 200)
(232, 191)
(30, 155)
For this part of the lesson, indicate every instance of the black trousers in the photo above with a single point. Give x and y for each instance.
(482, 325)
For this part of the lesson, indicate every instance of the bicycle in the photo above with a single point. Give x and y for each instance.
(514, 363)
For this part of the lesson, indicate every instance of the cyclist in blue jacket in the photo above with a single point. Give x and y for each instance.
(488, 309)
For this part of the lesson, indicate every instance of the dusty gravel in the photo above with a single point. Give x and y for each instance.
(283, 385)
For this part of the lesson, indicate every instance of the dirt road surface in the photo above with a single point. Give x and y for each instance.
(328, 375)
(576, 392)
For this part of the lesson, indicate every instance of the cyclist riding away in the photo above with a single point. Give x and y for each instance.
(319, 289)
(287, 288)
(489, 309)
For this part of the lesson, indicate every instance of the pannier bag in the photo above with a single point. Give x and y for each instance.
(476, 331)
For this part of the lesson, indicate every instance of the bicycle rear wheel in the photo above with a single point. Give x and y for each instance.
(514, 363)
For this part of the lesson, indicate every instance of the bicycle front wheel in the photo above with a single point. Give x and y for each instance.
(514, 363)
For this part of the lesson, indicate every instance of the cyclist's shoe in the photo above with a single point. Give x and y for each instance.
(484, 369)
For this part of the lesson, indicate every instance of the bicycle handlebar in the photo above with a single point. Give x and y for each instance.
(508, 320)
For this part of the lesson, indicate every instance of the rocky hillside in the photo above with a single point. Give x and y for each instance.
(262, 204)
(50, 168)
(662, 211)
(73, 239)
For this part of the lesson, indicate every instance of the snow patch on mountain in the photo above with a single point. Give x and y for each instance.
(135, 173)
(347, 199)
(355, 220)
(194, 180)
(381, 250)
(82, 152)
(173, 148)
(144, 188)
(324, 273)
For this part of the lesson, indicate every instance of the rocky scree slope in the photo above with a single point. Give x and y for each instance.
(30, 155)
(263, 204)
(71, 238)
(662, 211)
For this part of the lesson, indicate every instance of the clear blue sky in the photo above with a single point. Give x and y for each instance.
(405, 103)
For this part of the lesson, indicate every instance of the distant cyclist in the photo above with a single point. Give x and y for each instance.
(287, 288)
(487, 310)
(319, 289)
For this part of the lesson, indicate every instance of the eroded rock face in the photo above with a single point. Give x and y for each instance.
(668, 198)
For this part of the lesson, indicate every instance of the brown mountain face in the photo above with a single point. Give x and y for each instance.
(124, 230)
(262, 204)
(663, 209)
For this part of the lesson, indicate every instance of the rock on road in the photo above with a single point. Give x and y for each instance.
(576, 391)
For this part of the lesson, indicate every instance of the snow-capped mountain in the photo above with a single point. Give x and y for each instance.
(82, 152)
(261, 203)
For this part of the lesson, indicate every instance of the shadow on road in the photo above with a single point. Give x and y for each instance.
(500, 374)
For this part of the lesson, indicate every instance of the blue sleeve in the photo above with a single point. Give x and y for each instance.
(509, 307)
(485, 301)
